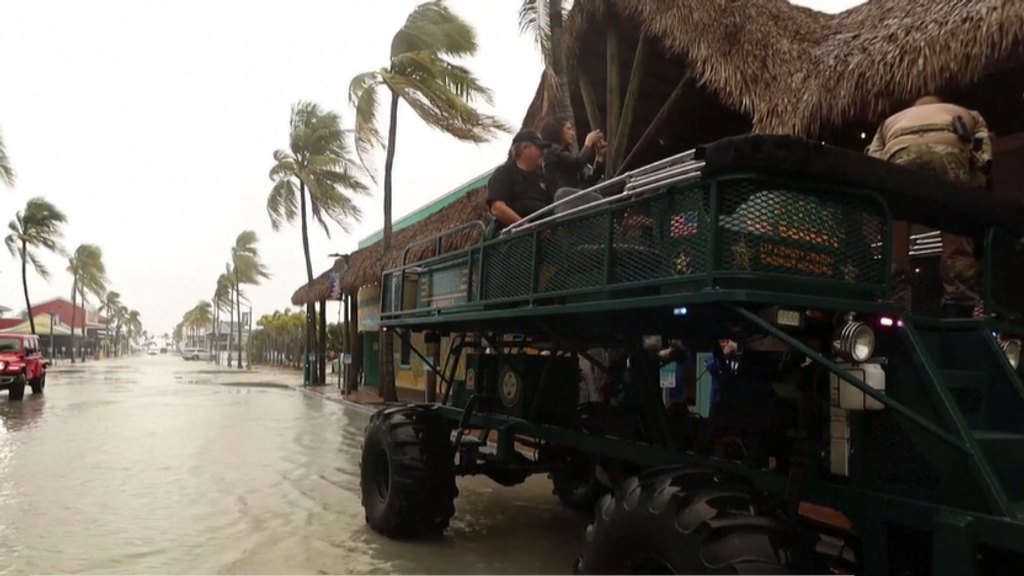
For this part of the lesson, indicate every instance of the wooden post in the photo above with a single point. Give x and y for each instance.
(590, 102)
(655, 124)
(346, 342)
(356, 342)
(625, 123)
(321, 357)
(563, 103)
(614, 99)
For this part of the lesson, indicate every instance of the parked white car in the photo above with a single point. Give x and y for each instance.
(195, 354)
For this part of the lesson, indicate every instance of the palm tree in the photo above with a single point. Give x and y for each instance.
(200, 316)
(88, 274)
(133, 326)
(121, 319)
(543, 20)
(221, 301)
(247, 269)
(421, 71)
(7, 175)
(319, 160)
(109, 307)
(37, 226)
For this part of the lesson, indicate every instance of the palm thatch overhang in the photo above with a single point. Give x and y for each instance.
(765, 66)
(768, 66)
(366, 265)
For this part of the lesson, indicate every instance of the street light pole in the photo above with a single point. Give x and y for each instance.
(51, 334)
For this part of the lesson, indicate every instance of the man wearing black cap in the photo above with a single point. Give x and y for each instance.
(516, 188)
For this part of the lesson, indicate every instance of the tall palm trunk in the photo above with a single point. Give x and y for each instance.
(85, 333)
(563, 103)
(24, 285)
(216, 343)
(74, 314)
(387, 355)
(311, 307)
(231, 322)
(238, 303)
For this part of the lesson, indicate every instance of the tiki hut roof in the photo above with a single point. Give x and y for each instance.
(773, 67)
(770, 67)
(366, 265)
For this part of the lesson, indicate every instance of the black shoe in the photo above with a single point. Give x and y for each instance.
(950, 311)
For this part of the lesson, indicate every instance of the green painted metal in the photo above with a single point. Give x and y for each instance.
(945, 455)
(703, 385)
(675, 240)
(845, 375)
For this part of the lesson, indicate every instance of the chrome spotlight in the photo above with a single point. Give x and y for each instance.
(1012, 350)
(855, 342)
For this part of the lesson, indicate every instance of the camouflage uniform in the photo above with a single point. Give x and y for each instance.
(960, 272)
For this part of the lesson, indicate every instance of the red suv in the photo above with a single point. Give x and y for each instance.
(21, 364)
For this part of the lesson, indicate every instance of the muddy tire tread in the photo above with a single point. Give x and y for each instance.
(421, 500)
(691, 519)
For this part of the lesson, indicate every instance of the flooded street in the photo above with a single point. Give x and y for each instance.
(161, 466)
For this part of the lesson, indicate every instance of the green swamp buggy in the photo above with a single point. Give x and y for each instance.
(850, 437)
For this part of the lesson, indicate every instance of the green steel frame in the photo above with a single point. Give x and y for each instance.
(974, 457)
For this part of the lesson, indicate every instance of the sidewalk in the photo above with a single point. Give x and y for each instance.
(367, 399)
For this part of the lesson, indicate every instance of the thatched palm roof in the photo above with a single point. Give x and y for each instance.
(770, 67)
(366, 265)
(788, 69)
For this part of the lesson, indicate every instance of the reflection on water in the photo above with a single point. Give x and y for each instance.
(152, 465)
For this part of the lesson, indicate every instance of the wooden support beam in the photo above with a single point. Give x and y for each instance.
(618, 146)
(613, 102)
(655, 124)
(590, 102)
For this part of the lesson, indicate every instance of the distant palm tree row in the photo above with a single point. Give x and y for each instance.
(38, 229)
(244, 268)
(318, 175)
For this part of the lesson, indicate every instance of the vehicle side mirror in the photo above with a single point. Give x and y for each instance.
(46, 364)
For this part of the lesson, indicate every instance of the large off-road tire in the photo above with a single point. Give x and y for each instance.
(407, 474)
(17, 389)
(685, 521)
(39, 385)
(576, 485)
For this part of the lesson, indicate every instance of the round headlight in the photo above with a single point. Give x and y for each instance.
(1012, 350)
(855, 341)
(2, 365)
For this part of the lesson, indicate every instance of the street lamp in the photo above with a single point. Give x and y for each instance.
(51, 333)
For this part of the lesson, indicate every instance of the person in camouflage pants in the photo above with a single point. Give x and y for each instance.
(923, 137)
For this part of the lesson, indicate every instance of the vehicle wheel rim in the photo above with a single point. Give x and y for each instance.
(382, 471)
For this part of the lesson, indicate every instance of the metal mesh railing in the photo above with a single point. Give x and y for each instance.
(693, 232)
(802, 233)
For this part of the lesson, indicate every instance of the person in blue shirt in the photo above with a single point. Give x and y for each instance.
(729, 352)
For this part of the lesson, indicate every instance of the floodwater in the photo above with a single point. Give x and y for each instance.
(155, 465)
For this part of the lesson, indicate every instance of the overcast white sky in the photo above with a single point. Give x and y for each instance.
(151, 124)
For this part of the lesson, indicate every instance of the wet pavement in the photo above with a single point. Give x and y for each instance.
(155, 465)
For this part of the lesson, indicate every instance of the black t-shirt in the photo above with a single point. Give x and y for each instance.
(524, 192)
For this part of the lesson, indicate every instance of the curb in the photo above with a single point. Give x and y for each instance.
(338, 400)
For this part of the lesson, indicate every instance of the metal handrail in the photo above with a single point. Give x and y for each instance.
(692, 175)
(437, 238)
(659, 176)
(647, 170)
